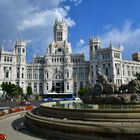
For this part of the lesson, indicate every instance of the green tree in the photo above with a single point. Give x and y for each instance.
(83, 91)
(4, 87)
(9, 89)
(137, 76)
(29, 91)
(19, 91)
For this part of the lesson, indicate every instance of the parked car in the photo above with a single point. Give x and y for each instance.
(77, 98)
(3, 136)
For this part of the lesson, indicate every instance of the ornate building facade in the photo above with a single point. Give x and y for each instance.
(62, 71)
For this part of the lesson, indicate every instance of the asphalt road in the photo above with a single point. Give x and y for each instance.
(9, 124)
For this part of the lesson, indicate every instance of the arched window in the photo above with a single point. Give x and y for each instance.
(59, 50)
(47, 86)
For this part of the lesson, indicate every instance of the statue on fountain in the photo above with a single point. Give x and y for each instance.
(104, 92)
(103, 86)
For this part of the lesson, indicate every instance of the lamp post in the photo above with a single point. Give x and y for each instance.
(76, 86)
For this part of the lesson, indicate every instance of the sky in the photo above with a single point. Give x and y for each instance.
(115, 21)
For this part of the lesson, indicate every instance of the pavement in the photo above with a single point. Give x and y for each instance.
(13, 128)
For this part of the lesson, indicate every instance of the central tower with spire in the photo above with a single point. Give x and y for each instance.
(58, 72)
(60, 41)
(60, 31)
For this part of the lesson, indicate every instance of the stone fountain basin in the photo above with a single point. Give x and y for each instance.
(84, 123)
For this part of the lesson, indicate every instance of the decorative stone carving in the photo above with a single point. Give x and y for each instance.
(132, 87)
(103, 86)
(101, 77)
(98, 88)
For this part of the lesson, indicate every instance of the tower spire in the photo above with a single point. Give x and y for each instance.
(110, 44)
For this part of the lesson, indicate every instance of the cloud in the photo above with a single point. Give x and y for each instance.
(122, 47)
(80, 43)
(82, 47)
(31, 20)
(76, 2)
(45, 18)
(127, 37)
(70, 22)
(67, 7)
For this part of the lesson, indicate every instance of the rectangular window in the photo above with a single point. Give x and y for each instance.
(81, 84)
(35, 87)
(23, 50)
(67, 86)
(67, 74)
(18, 50)
(117, 55)
(59, 36)
(7, 74)
(5, 58)
(75, 86)
(10, 59)
(47, 75)
(22, 75)
(47, 87)
(92, 73)
(17, 74)
(106, 71)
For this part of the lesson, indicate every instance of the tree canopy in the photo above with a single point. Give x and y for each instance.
(83, 91)
(11, 90)
(137, 76)
(29, 91)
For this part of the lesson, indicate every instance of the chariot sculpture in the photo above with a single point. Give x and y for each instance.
(103, 86)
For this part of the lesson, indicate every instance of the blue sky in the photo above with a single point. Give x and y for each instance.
(117, 21)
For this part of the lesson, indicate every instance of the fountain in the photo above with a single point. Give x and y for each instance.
(75, 120)
(104, 92)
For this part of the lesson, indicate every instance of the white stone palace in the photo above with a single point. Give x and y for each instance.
(61, 71)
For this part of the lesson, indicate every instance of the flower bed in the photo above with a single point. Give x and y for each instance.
(15, 109)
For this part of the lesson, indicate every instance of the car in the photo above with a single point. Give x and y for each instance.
(3, 136)
(77, 98)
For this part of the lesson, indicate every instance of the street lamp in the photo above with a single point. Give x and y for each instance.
(76, 85)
